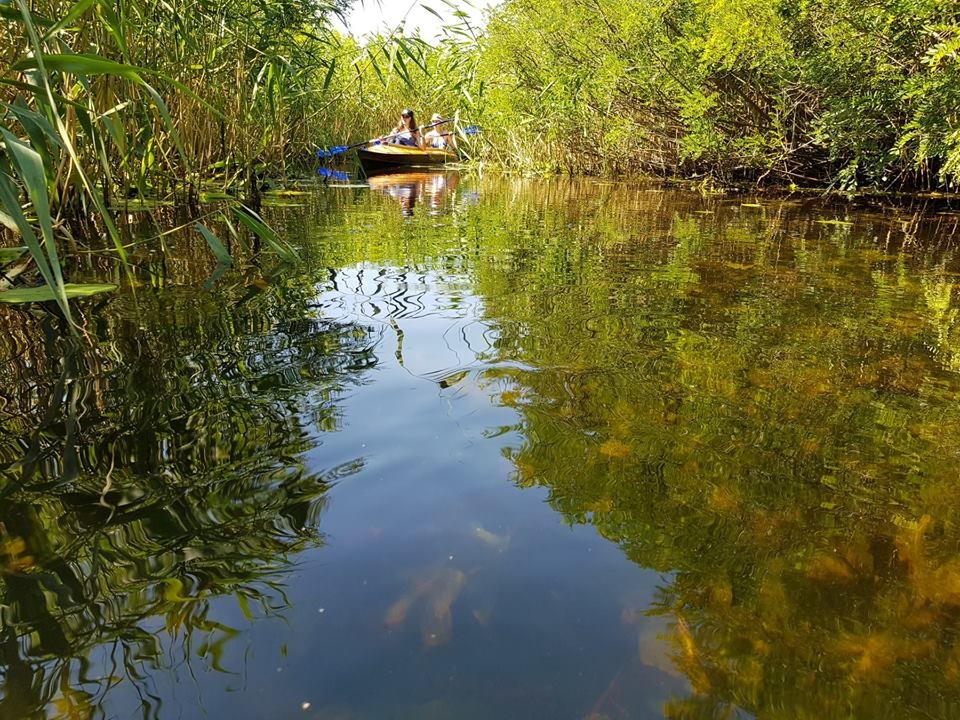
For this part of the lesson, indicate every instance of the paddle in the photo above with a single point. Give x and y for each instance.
(332, 174)
(339, 149)
(466, 132)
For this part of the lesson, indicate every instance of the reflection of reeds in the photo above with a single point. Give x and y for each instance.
(145, 472)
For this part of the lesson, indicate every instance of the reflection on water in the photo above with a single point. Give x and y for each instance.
(566, 451)
(410, 188)
(148, 471)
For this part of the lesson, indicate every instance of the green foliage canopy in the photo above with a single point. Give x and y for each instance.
(799, 91)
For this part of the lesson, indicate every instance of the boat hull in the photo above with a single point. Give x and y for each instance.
(383, 158)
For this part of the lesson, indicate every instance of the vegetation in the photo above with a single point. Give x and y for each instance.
(845, 93)
(104, 104)
(108, 109)
(95, 109)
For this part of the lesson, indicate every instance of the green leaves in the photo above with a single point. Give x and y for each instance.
(258, 227)
(219, 251)
(80, 64)
(744, 90)
(79, 9)
(21, 161)
(47, 293)
(253, 223)
(9, 254)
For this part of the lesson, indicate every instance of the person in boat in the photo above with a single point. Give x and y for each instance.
(438, 138)
(406, 133)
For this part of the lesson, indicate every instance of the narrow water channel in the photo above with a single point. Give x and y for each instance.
(496, 449)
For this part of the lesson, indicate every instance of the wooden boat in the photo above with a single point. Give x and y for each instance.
(384, 157)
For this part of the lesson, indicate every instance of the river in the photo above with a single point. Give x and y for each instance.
(494, 449)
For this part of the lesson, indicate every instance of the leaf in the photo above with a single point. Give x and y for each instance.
(376, 67)
(45, 293)
(434, 12)
(86, 64)
(81, 64)
(75, 12)
(216, 276)
(168, 122)
(417, 58)
(244, 606)
(258, 227)
(223, 257)
(109, 17)
(37, 126)
(11, 253)
(31, 173)
(8, 222)
(329, 76)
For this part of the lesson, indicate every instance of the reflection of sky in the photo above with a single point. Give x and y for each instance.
(527, 636)
(369, 16)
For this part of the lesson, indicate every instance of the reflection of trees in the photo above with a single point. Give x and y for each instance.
(148, 469)
(748, 406)
(755, 401)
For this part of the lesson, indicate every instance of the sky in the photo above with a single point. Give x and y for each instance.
(372, 16)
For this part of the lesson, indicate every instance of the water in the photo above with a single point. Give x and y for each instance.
(495, 449)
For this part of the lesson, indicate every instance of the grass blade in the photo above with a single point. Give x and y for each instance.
(219, 251)
(8, 198)
(46, 293)
(258, 227)
(31, 172)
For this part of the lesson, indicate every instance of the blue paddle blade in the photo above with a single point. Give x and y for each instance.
(330, 152)
(471, 130)
(332, 174)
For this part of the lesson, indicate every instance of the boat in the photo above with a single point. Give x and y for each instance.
(385, 156)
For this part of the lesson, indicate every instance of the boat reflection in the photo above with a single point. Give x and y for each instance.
(408, 188)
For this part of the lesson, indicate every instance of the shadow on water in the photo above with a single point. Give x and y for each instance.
(148, 470)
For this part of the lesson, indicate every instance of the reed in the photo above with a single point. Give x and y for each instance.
(103, 101)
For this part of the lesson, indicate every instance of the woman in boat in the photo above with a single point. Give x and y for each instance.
(436, 138)
(406, 133)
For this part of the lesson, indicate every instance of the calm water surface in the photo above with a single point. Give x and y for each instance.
(494, 450)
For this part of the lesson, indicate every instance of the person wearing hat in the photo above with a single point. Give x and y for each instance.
(436, 138)
(406, 133)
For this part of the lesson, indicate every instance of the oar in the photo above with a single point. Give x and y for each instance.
(339, 149)
(468, 130)
(332, 174)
